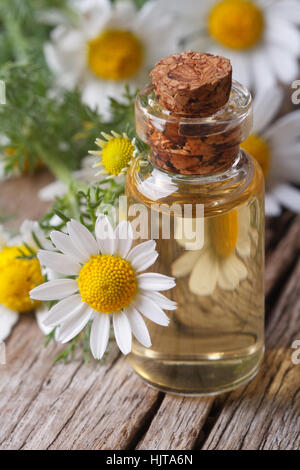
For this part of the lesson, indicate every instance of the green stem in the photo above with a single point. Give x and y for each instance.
(60, 170)
(16, 37)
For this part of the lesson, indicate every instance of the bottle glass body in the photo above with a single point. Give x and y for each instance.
(215, 251)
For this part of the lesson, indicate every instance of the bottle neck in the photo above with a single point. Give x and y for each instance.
(194, 145)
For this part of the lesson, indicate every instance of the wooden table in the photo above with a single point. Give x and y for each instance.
(79, 406)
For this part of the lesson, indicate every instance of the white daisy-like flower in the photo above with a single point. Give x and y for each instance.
(18, 276)
(109, 46)
(116, 154)
(7, 317)
(104, 283)
(277, 149)
(219, 262)
(260, 37)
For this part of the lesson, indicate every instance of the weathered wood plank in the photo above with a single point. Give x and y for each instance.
(266, 413)
(68, 406)
(177, 423)
(37, 398)
(114, 409)
(76, 406)
(19, 197)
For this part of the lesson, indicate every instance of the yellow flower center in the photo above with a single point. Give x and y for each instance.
(107, 283)
(115, 55)
(224, 231)
(116, 155)
(237, 24)
(259, 149)
(17, 278)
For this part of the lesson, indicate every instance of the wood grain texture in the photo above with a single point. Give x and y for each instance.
(266, 413)
(79, 406)
(19, 197)
(177, 423)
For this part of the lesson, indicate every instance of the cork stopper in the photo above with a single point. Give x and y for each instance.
(192, 83)
(192, 116)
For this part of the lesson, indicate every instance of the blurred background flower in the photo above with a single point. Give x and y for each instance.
(260, 37)
(277, 149)
(107, 46)
(72, 68)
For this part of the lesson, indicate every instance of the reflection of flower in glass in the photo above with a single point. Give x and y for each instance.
(218, 263)
(104, 283)
(260, 37)
(109, 46)
(277, 149)
(157, 186)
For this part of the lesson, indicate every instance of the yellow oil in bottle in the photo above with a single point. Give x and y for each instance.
(215, 339)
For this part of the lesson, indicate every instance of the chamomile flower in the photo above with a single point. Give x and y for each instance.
(110, 45)
(18, 275)
(104, 284)
(260, 37)
(277, 149)
(220, 260)
(117, 152)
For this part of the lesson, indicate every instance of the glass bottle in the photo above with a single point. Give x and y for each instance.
(215, 339)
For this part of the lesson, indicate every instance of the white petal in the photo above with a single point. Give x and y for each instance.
(284, 63)
(40, 315)
(145, 260)
(151, 310)
(30, 230)
(138, 326)
(286, 163)
(63, 310)
(241, 69)
(144, 248)
(204, 275)
(288, 196)
(95, 94)
(105, 235)
(54, 290)
(185, 263)
(264, 76)
(285, 130)
(234, 270)
(288, 10)
(99, 335)
(155, 281)
(60, 263)
(161, 300)
(63, 243)
(7, 320)
(272, 207)
(74, 325)
(224, 280)
(124, 237)
(266, 106)
(53, 190)
(283, 34)
(122, 331)
(82, 238)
